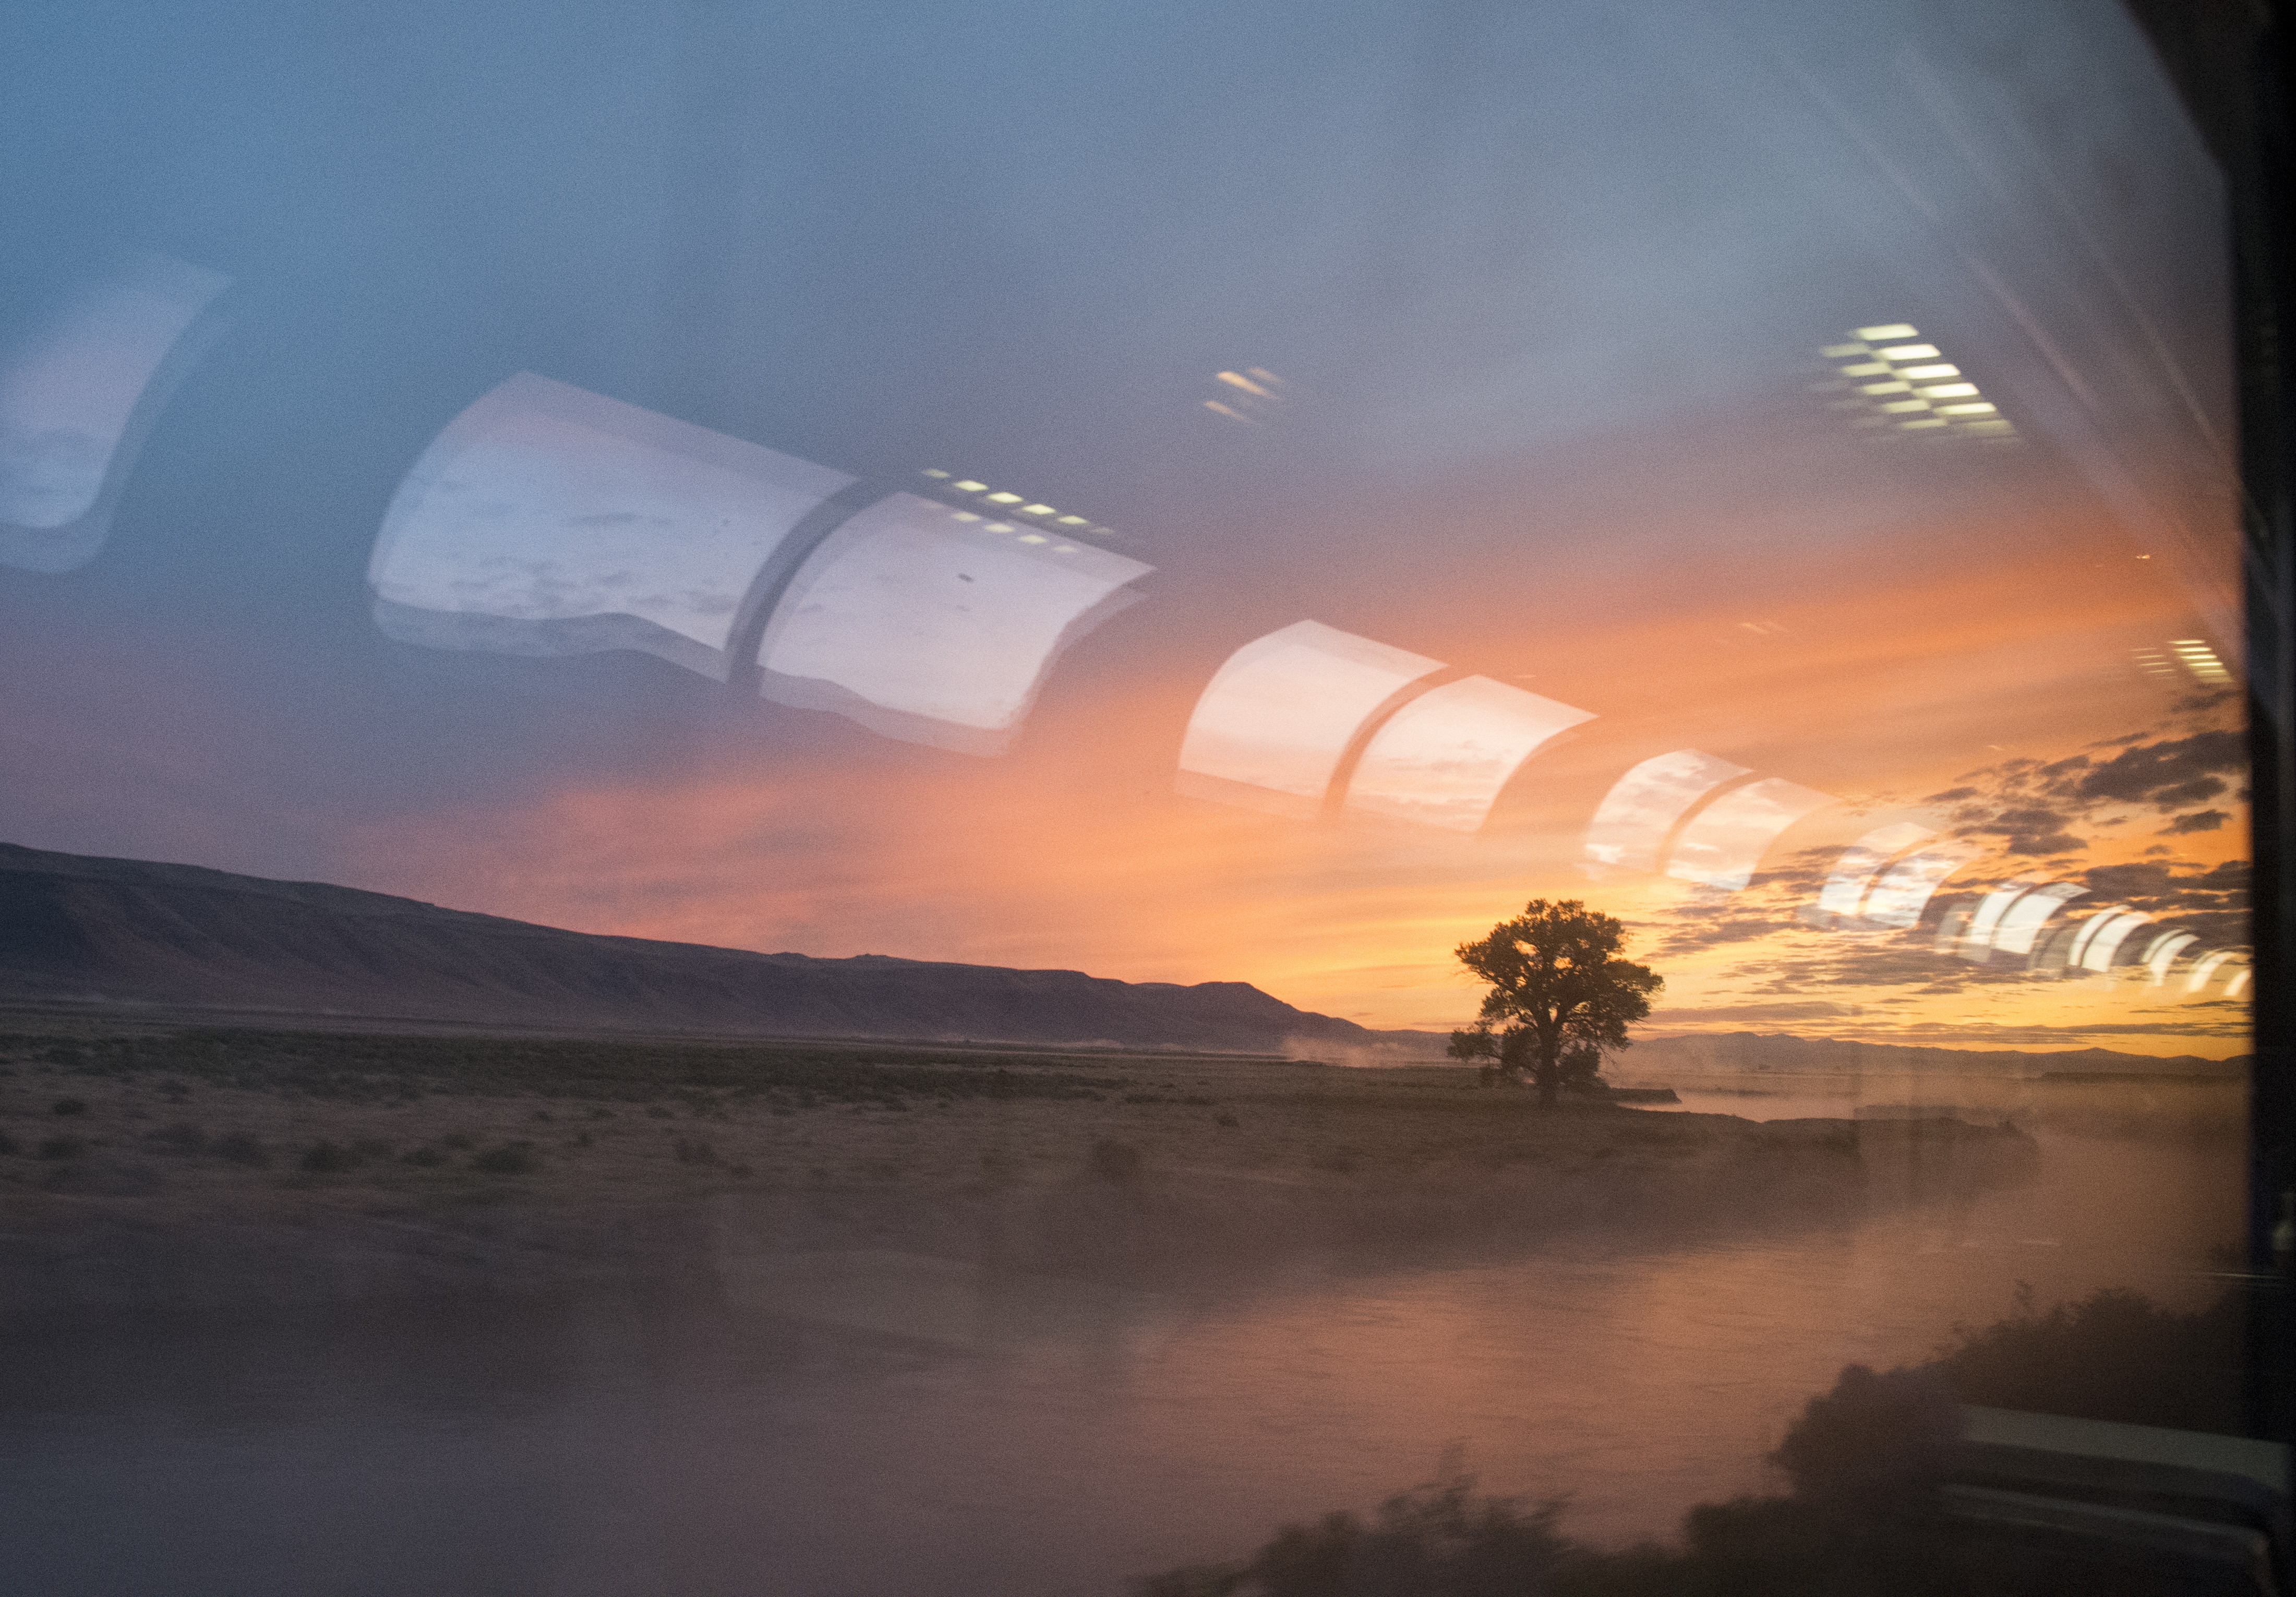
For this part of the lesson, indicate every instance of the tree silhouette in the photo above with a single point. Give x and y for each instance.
(1559, 984)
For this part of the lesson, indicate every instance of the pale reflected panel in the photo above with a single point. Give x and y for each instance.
(1280, 713)
(2163, 952)
(2100, 938)
(546, 520)
(1443, 758)
(78, 392)
(1905, 890)
(2022, 920)
(1631, 824)
(1986, 922)
(930, 627)
(1726, 841)
(1854, 871)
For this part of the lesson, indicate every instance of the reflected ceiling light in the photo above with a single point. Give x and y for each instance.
(2234, 987)
(545, 519)
(1856, 867)
(1035, 510)
(930, 472)
(80, 390)
(1003, 498)
(925, 630)
(1032, 537)
(1075, 521)
(1631, 825)
(963, 515)
(1904, 890)
(968, 486)
(2196, 657)
(1443, 758)
(1280, 715)
(1899, 366)
(1724, 843)
(1253, 400)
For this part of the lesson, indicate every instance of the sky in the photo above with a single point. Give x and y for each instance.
(1524, 314)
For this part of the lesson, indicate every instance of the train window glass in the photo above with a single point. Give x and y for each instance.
(940, 798)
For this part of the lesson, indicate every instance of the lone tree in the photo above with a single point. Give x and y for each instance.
(1558, 983)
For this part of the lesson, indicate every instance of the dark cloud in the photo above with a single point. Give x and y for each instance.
(2168, 774)
(2029, 831)
(2206, 819)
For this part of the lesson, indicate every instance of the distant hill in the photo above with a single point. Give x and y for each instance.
(119, 932)
(1751, 1051)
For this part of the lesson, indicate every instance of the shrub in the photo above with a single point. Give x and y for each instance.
(181, 1137)
(7, 1143)
(512, 1158)
(63, 1147)
(696, 1152)
(456, 1139)
(240, 1149)
(70, 1106)
(371, 1147)
(422, 1159)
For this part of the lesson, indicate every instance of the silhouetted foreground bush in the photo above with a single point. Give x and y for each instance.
(1862, 1518)
(2115, 1354)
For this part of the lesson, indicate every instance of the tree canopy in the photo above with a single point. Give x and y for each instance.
(1561, 989)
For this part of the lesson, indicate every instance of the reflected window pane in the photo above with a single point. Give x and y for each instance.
(1442, 759)
(77, 390)
(1855, 870)
(549, 520)
(927, 626)
(1631, 826)
(1278, 718)
(1726, 840)
(1904, 890)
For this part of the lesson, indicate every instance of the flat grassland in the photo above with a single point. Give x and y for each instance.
(241, 1146)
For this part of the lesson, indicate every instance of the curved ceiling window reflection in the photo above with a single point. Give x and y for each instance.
(1853, 872)
(2006, 920)
(1723, 843)
(932, 626)
(80, 386)
(1442, 759)
(1282, 712)
(1904, 890)
(1631, 826)
(546, 520)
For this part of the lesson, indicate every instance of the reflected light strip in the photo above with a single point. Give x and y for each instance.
(78, 392)
(1724, 845)
(1854, 871)
(932, 629)
(1631, 824)
(2239, 982)
(1280, 713)
(2022, 922)
(2163, 952)
(1442, 759)
(1905, 890)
